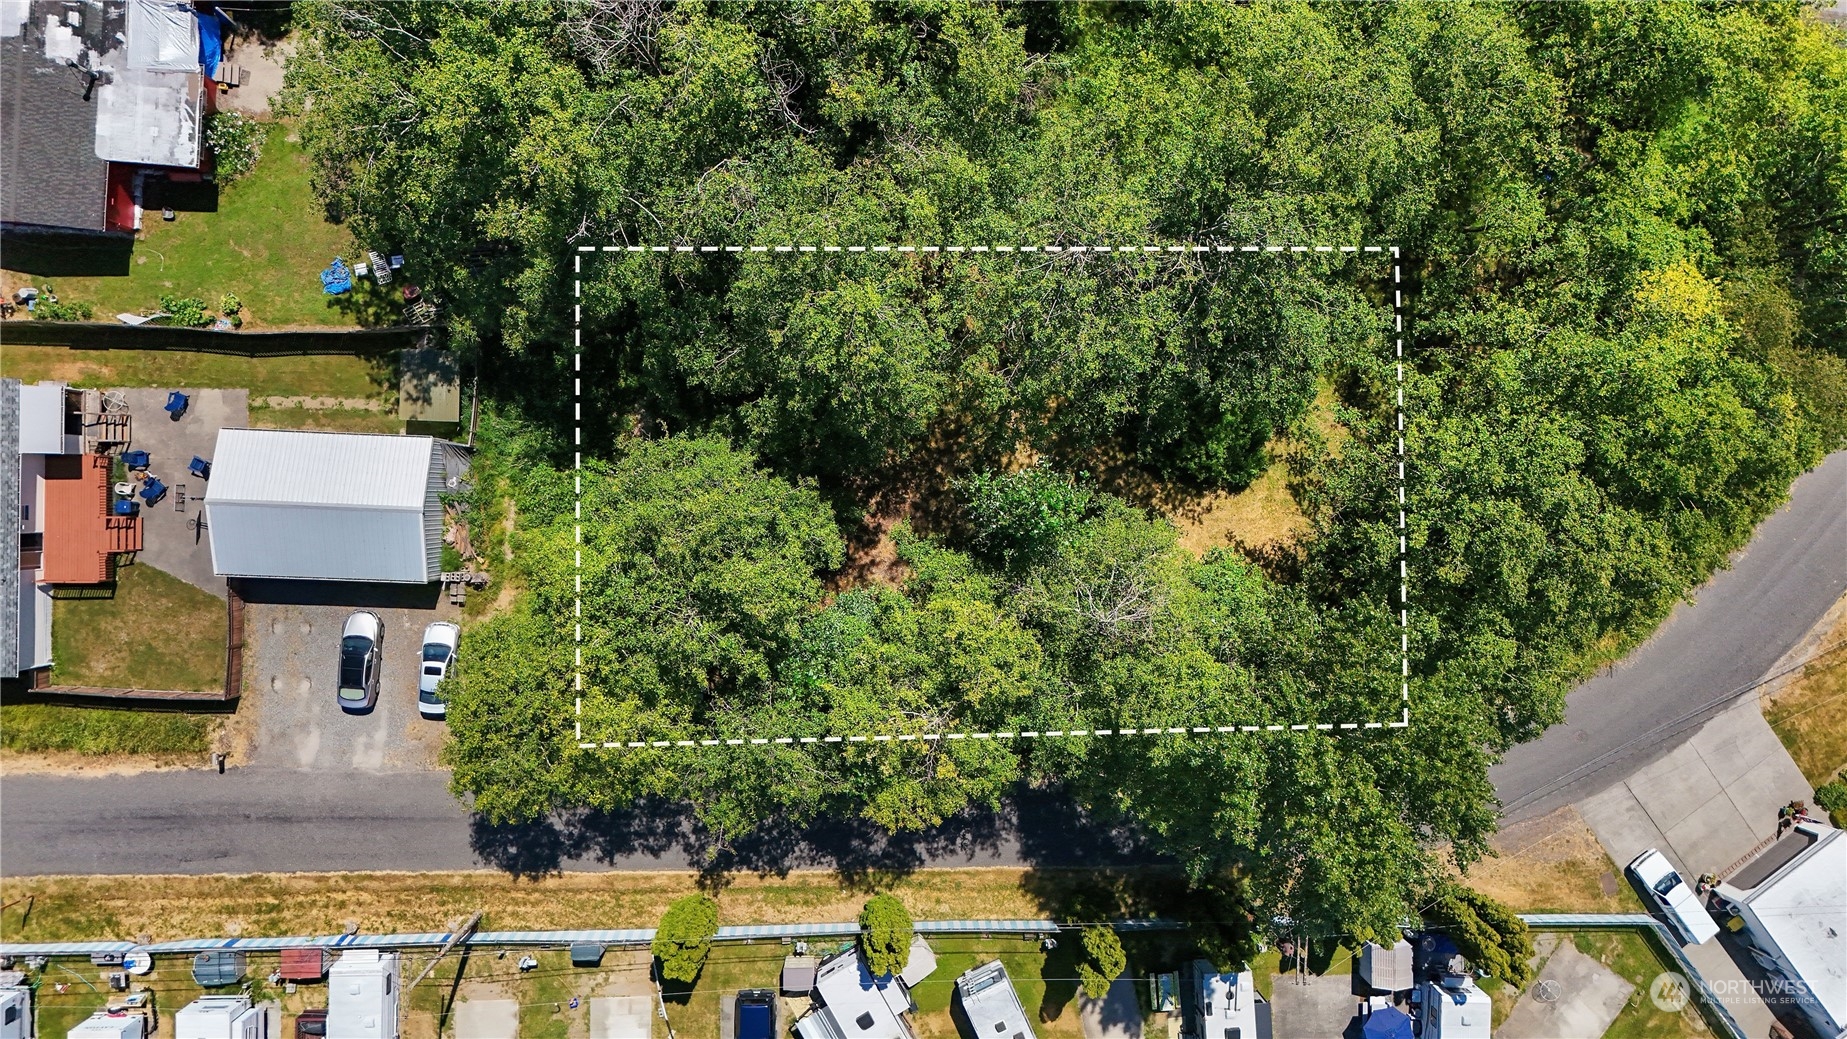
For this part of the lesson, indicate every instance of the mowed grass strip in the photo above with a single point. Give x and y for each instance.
(158, 632)
(267, 242)
(33, 727)
(171, 907)
(313, 376)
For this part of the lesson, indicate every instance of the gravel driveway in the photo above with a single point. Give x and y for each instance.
(292, 641)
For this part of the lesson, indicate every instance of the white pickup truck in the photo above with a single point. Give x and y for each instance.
(1676, 899)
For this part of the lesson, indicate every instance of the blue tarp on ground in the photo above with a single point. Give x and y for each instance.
(211, 41)
(1387, 1023)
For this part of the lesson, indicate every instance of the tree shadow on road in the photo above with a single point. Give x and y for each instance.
(1041, 828)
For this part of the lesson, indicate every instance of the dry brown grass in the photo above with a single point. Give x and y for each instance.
(171, 907)
(1809, 713)
(1552, 864)
(1264, 516)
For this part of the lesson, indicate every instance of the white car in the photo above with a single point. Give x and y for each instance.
(440, 640)
(1676, 899)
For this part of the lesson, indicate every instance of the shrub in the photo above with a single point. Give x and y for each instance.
(229, 305)
(186, 311)
(684, 938)
(1102, 963)
(885, 935)
(1488, 934)
(1019, 517)
(48, 310)
(1832, 798)
(236, 141)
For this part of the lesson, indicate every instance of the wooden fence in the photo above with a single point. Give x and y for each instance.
(99, 335)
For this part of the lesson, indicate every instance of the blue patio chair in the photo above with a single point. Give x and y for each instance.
(135, 459)
(177, 403)
(200, 468)
(152, 490)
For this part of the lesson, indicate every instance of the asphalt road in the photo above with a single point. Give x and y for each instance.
(276, 820)
(1708, 653)
(269, 819)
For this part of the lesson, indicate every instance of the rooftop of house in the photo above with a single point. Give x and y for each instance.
(1801, 906)
(50, 174)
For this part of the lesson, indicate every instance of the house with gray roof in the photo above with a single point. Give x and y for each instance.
(95, 97)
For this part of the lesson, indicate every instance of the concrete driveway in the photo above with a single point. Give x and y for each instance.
(169, 542)
(292, 639)
(1707, 803)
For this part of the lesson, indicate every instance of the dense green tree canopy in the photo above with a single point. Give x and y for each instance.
(1622, 264)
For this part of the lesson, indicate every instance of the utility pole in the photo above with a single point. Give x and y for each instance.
(461, 934)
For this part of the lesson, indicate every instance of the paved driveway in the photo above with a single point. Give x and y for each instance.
(1707, 803)
(292, 638)
(169, 543)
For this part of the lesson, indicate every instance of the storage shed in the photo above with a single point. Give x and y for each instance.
(304, 963)
(320, 506)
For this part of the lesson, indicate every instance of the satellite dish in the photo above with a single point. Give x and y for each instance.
(138, 961)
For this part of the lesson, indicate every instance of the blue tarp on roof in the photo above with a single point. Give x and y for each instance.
(211, 40)
(1387, 1023)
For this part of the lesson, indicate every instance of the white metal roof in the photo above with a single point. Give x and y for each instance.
(991, 1004)
(41, 419)
(1803, 909)
(324, 506)
(302, 467)
(1228, 1005)
(861, 1006)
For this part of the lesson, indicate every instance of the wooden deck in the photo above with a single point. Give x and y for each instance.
(81, 538)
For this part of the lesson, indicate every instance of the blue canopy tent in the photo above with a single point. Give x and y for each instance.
(1387, 1023)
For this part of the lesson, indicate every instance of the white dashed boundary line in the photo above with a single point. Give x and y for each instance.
(577, 464)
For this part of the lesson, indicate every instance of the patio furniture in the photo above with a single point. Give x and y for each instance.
(125, 507)
(200, 468)
(179, 498)
(337, 279)
(153, 490)
(135, 459)
(177, 403)
(125, 489)
(381, 269)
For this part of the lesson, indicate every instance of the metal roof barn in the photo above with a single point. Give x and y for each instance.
(325, 506)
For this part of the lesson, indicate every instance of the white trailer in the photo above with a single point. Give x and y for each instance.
(362, 995)
(221, 1017)
(110, 1024)
(15, 1012)
(1453, 1009)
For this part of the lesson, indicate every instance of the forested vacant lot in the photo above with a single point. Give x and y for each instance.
(1623, 256)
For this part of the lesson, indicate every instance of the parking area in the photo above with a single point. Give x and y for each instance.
(171, 540)
(292, 641)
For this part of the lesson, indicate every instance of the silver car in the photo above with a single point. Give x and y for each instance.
(361, 642)
(440, 641)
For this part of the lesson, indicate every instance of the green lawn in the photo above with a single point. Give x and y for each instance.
(267, 242)
(1629, 954)
(33, 727)
(158, 632)
(316, 376)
